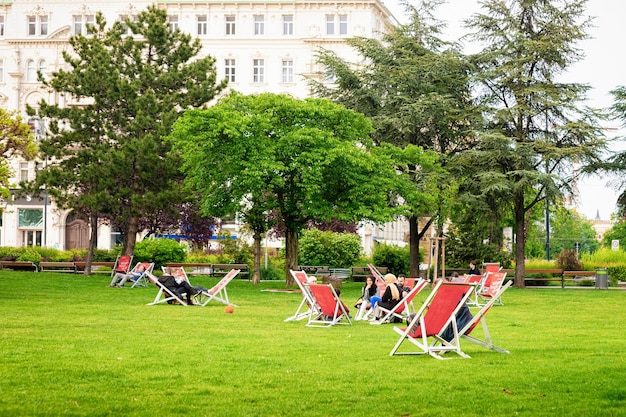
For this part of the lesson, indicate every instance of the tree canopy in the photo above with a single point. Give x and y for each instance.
(126, 86)
(16, 138)
(275, 159)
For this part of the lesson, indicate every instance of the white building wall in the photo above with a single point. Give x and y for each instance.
(52, 22)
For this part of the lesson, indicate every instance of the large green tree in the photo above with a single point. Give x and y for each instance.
(416, 90)
(272, 158)
(125, 87)
(537, 127)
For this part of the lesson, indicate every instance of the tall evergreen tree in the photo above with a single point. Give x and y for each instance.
(416, 90)
(16, 138)
(125, 88)
(538, 129)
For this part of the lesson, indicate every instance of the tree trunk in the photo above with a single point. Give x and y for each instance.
(130, 236)
(520, 240)
(93, 241)
(291, 254)
(414, 247)
(256, 276)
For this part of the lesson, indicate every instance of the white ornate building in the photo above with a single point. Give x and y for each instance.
(259, 46)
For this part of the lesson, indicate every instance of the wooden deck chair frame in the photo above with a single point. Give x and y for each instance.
(123, 263)
(143, 280)
(218, 292)
(331, 309)
(433, 318)
(164, 295)
(404, 307)
(307, 305)
(466, 331)
(491, 289)
(379, 279)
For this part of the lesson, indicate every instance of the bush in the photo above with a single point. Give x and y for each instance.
(393, 257)
(337, 250)
(568, 260)
(159, 251)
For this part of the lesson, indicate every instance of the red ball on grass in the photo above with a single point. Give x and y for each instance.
(229, 309)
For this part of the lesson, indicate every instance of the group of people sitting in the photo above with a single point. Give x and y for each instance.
(369, 304)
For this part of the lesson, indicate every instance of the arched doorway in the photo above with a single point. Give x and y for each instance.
(76, 232)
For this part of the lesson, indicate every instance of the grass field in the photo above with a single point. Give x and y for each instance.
(72, 346)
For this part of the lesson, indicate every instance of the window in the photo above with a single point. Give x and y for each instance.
(287, 70)
(37, 25)
(43, 67)
(259, 24)
(30, 222)
(258, 70)
(123, 18)
(1, 25)
(202, 24)
(1, 70)
(288, 24)
(31, 71)
(23, 171)
(330, 24)
(329, 75)
(229, 70)
(173, 22)
(81, 22)
(343, 24)
(230, 25)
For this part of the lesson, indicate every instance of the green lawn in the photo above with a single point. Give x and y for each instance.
(72, 346)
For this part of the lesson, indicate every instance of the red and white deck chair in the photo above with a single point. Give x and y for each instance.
(122, 265)
(164, 295)
(431, 321)
(218, 291)
(491, 289)
(142, 281)
(331, 309)
(477, 281)
(379, 279)
(307, 305)
(466, 331)
(404, 307)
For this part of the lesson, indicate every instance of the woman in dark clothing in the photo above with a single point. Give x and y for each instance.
(391, 297)
(474, 269)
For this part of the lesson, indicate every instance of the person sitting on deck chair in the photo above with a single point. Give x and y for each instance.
(178, 286)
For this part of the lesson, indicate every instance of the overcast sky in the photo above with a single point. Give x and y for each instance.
(603, 68)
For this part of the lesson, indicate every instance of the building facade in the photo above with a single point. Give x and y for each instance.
(260, 46)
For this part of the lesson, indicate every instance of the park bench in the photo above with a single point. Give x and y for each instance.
(220, 270)
(18, 265)
(193, 268)
(314, 270)
(359, 273)
(66, 267)
(97, 267)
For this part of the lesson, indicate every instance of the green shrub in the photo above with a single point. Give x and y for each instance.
(337, 250)
(235, 251)
(29, 255)
(159, 251)
(393, 257)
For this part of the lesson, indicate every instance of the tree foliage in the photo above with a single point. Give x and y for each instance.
(274, 159)
(16, 138)
(537, 130)
(416, 90)
(125, 88)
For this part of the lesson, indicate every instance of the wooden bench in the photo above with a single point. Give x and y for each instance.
(314, 270)
(46, 266)
(557, 275)
(360, 273)
(219, 270)
(577, 277)
(18, 265)
(102, 267)
(193, 268)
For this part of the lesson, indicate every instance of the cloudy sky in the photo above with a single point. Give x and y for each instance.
(603, 68)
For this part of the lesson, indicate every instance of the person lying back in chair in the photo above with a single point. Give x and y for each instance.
(120, 279)
(178, 286)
